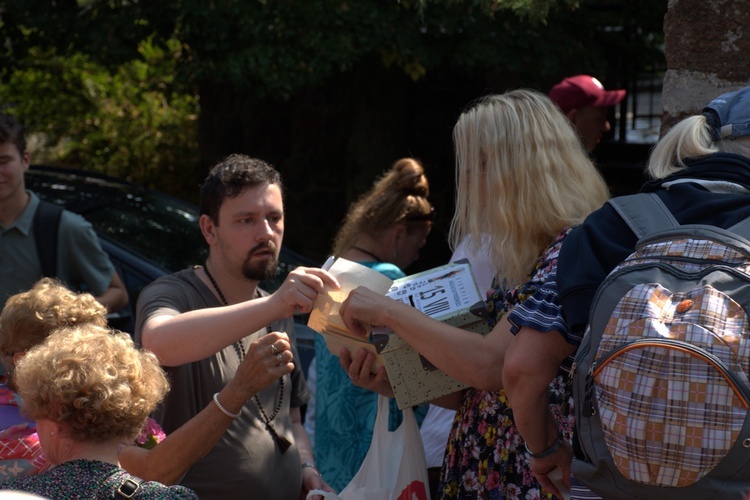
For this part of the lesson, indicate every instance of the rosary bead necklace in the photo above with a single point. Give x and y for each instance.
(239, 348)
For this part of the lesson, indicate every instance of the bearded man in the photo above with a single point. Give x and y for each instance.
(200, 321)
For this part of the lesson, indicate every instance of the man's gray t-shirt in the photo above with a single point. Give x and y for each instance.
(246, 462)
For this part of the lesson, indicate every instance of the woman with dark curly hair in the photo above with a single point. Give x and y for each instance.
(383, 230)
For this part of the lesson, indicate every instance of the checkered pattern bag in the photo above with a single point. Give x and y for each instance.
(661, 380)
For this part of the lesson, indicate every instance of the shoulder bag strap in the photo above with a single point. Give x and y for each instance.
(128, 487)
(46, 229)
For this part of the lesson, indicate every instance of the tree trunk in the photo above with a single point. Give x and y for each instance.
(706, 47)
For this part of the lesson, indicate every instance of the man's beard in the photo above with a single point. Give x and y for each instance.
(260, 271)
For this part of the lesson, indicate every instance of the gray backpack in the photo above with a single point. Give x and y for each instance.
(661, 381)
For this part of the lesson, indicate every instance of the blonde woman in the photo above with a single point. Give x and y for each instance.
(523, 180)
(384, 230)
(89, 389)
(30, 317)
(26, 321)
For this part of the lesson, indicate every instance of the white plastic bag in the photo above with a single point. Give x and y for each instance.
(394, 467)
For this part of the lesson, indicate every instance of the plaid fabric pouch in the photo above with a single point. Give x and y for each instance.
(662, 378)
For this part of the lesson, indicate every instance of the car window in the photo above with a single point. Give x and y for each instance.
(166, 234)
(157, 227)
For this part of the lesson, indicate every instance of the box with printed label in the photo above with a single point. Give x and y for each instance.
(449, 294)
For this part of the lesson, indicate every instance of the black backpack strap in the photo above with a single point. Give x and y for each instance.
(46, 228)
(644, 213)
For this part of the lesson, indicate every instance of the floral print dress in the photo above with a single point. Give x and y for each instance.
(486, 457)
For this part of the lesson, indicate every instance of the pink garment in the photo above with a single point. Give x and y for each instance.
(20, 452)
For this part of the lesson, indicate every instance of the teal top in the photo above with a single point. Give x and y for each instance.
(344, 413)
(81, 262)
(390, 270)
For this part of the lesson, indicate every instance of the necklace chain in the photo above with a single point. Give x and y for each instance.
(367, 252)
(216, 286)
(239, 348)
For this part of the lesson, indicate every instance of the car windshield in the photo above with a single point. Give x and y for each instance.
(166, 234)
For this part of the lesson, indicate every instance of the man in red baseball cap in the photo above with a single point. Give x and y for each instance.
(584, 101)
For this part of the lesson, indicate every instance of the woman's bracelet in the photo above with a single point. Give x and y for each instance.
(549, 451)
(224, 410)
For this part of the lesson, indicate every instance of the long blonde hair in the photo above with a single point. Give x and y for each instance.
(399, 196)
(522, 176)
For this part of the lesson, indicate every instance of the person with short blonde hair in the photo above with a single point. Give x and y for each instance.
(523, 180)
(93, 381)
(89, 389)
(700, 170)
(30, 317)
(26, 321)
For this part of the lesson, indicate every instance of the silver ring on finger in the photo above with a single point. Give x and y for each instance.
(274, 350)
(279, 360)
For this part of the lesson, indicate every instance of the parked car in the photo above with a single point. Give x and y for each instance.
(146, 233)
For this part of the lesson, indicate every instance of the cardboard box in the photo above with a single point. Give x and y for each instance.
(449, 294)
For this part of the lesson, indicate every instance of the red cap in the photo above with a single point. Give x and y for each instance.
(579, 91)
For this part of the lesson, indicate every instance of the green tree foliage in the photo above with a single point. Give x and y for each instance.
(130, 121)
(113, 85)
(275, 47)
(330, 91)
